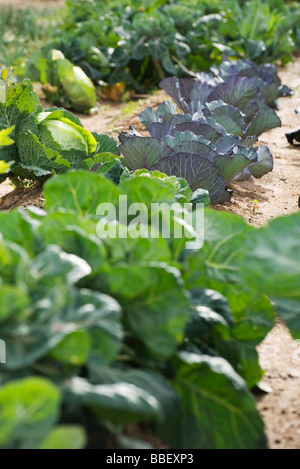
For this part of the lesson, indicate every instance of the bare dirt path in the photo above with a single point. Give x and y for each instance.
(280, 358)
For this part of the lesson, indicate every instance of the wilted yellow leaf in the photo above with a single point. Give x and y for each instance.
(114, 92)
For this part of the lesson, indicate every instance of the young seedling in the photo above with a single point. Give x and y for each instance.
(254, 206)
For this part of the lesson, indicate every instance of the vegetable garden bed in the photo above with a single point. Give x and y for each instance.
(257, 201)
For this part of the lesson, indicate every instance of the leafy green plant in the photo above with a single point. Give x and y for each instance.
(210, 145)
(65, 83)
(104, 332)
(45, 142)
(254, 206)
(140, 43)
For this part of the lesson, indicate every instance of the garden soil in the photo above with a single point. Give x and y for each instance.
(274, 195)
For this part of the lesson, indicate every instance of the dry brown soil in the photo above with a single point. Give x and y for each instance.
(277, 194)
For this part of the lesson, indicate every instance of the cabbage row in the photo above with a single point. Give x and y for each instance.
(140, 43)
(101, 333)
(209, 143)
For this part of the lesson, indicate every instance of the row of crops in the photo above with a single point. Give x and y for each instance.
(106, 331)
(207, 137)
(137, 44)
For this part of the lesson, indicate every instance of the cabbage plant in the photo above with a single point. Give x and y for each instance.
(209, 143)
(197, 148)
(74, 85)
(46, 142)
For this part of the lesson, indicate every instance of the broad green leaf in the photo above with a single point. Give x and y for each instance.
(198, 171)
(210, 320)
(213, 300)
(219, 265)
(81, 192)
(55, 265)
(17, 227)
(228, 116)
(238, 92)
(217, 411)
(60, 220)
(100, 315)
(5, 139)
(142, 152)
(74, 240)
(155, 307)
(35, 156)
(219, 259)
(120, 403)
(14, 262)
(14, 302)
(4, 168)
(271, 265)
(28, 410)
(106, 144)
(254, 318)
(73, 349)
(112, 170)
(231, 165)
(65, 437)
(147, 189)
(151, 381)
(58, 314)
(265, 163)
(200, 196)
(20, 100)
(128, 248)
(264, 120)
(19, 104)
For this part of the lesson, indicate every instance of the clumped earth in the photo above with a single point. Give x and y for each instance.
(257, 201)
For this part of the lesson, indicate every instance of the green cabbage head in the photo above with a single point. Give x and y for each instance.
(64, 135)
(78, 88)
(54, 142)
